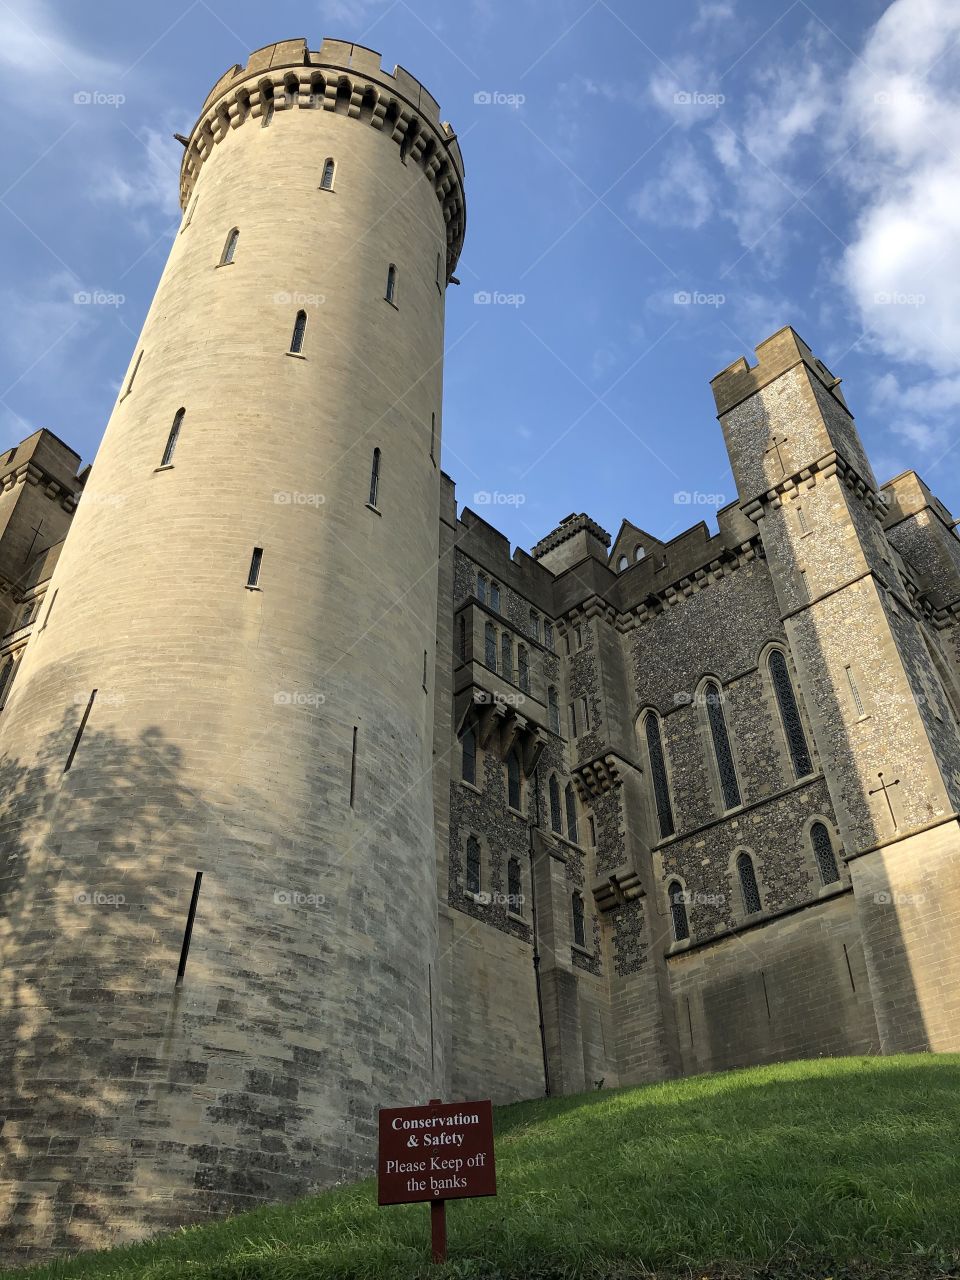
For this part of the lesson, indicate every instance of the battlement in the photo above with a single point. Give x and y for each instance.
(775, 355)
(344, 78)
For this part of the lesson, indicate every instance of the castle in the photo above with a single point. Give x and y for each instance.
(316, 799)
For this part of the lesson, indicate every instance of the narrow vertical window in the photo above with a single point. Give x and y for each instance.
(494, 597)
(172, 438)
(570, 799)
(473, 865)
(506, 657)
(375, 478)
(823, 852)
(299, 329)
(53, 601)
(579, 929)
(266, 111)
(5, 675)
(433, 438)
(230, 248)
(523, 669)
(513, 781)
(572, 718)
(678, 912)
(468, 762)
(578, 636)
(749, 888)
(534, 624)
(789, 714)
(253, 575)
(133, 374)
(857, 700)
(79, 734)
(188, 931)
(801, 520)
(553, 709)
(592, 831)
(729, 786)
(548, 634)
(353, 768)
(658, 774)
(514, 887)
(326, 182)
(481, 588)
(583, 707)
(490, 646)
(190, 212)
(556, 818)
(463, 638)
(391, 294)
(439, 272)
(425, 671)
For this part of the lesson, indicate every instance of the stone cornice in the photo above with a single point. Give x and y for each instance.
(830, 464)
(32, 473)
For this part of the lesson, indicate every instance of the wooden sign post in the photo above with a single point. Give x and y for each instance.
(440, 1152)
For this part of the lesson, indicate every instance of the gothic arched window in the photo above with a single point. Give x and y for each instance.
(515, 887)
(570, 800)
(823, 852)
(375, 478)
(534, 624)
(494, 597)
(789, 714)
(468, 766)
(230, 248)
(556, 819)
(678, 912)
(506, 657)
(299, 329)
(326, 182)
(749, 888)
(579, 929)
(481, 588)
(729, 786)
(473, 865)
(172, 438)
(5, 675)
(490, 645)
(658, 773)
(523, 669)
(553, 709)
(514, 796)
(391, 294)
(548, 634)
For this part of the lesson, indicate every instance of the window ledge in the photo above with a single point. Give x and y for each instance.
(675, 946)
(250, 587)
(479, 898)
(391, 304)
(471, 786)
(516, 813)
(225, 264)
(582, 951)
(295, 355)
(511, 915)
(328, 191)
(166, 466)
(376, 510)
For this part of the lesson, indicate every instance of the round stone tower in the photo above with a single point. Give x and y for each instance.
(233, 676)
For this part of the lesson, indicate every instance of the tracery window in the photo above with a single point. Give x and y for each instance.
(790, 714)
(823, 852)
(658, 773)
(748, 884)
(729, 786)
(678, 912)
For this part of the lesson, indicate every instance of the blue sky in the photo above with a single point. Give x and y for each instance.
(770, 161)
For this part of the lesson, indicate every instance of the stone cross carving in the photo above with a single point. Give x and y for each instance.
(775, 446)
(886, 787)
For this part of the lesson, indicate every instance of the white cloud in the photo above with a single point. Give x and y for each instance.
(33, 30)
(682, 195)
(713, 11)
(152, 184)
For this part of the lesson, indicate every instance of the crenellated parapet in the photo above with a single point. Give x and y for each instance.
(349, 80)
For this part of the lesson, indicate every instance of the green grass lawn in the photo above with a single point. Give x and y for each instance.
(841, 1167)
